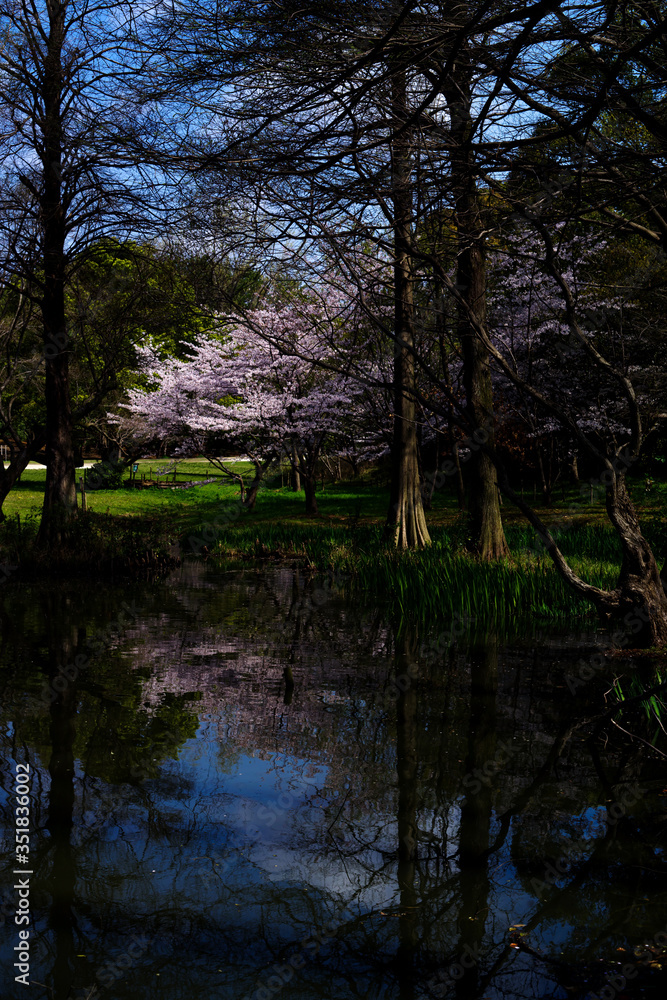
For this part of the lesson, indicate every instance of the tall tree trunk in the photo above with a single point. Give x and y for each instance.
(60, 488)
(545, 485)
(307, 468)
(310, 487)
(488, 537)
(428, 491)
(640, 584)
(460, 486)
(440, 329)
(406, 523)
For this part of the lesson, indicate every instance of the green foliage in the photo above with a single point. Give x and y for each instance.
(123, 294)
(104, 476)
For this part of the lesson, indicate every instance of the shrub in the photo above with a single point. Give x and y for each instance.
(104, 476)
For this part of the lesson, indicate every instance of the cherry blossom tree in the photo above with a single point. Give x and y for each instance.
(239, 390)
(530, 328)
(569, 346)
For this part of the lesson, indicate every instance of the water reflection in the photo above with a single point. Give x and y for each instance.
(60, 811)
(476, 815)
(252, 786)
(408, 834)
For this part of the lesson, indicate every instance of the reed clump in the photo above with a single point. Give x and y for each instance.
(441, 580)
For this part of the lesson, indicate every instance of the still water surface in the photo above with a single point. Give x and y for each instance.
(252, 786)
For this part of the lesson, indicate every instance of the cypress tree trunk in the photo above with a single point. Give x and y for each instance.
(60, 488)
(488, 537)
(406, 523)
(440, 327)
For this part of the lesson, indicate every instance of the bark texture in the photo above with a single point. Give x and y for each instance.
(306, 466)
(261, 468)
(641, 592)
(296, 478)
(309, 487)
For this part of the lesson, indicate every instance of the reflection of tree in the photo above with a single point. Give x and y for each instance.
(62, 731)
(476, 814)
(94, 716)
(406, 767)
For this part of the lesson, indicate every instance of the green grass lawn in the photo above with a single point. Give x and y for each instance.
(27, 497)
(361, 500)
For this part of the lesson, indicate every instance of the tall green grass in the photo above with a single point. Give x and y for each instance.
(440, 581)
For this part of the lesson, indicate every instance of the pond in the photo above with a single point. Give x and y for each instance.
(254, 785)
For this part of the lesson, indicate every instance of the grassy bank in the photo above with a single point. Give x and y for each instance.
(441, 581)
(134, 527)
